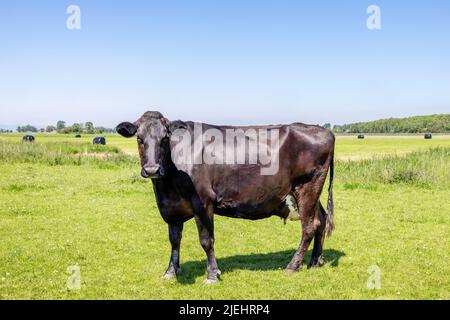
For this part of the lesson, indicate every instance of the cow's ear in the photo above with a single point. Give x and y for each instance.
(165, 122)
(126, 129)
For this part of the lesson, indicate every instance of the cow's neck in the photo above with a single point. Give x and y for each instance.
(173, 181)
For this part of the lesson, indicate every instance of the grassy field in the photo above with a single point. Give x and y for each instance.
(346, 148)
(64, 202)
(125, 145)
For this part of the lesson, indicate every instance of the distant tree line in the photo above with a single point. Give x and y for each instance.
(61, 127)
(439, 123)
(27, 128)
(5, 131)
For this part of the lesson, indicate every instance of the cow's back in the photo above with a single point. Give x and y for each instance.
(241, 190)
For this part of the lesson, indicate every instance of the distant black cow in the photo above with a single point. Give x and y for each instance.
(99, 140)
(78, 136)
(428, 136)
(361, 136)
(28, 138)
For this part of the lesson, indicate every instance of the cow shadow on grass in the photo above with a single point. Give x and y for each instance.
(191, 270)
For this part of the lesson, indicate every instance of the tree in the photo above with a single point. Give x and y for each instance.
(89, 127)
(50, 128)
(76, 127)
(327, 126)
(27, 128)
(66, 130)
(99, 130)
(60, 125)
(439, 123)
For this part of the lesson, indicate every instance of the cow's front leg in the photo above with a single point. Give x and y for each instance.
(175, 233)
(205, 226)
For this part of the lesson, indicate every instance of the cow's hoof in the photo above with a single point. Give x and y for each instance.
(169, 276)
(291, 270)
(293, 267)
(211, 280)
(316, 263)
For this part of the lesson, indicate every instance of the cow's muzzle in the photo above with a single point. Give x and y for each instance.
(151, 172)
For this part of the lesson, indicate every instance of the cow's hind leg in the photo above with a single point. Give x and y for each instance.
(308, 196)
(308, 233)
(175, 233)
(320, 219)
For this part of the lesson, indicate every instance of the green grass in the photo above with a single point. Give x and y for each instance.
(429, 168)
(98, 214)
(354, 149)
(112, 140)
(346, 148)
(64, 153)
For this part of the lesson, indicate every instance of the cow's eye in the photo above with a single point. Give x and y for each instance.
(140, 141)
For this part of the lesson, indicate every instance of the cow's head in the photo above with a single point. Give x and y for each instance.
(152, 132)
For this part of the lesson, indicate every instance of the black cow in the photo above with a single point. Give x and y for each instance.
(78, 136)
(99, 140)
(186, 189)
(28, 138)
(428, 136)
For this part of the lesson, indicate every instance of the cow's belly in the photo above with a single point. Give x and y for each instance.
(252, 196)
(285, 207)
(246, 212)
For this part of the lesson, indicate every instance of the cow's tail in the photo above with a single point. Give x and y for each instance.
(329, 227)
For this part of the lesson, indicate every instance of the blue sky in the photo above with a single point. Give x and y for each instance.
(234, 61)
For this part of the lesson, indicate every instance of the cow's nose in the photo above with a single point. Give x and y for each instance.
(150, 172)
(144, 173)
